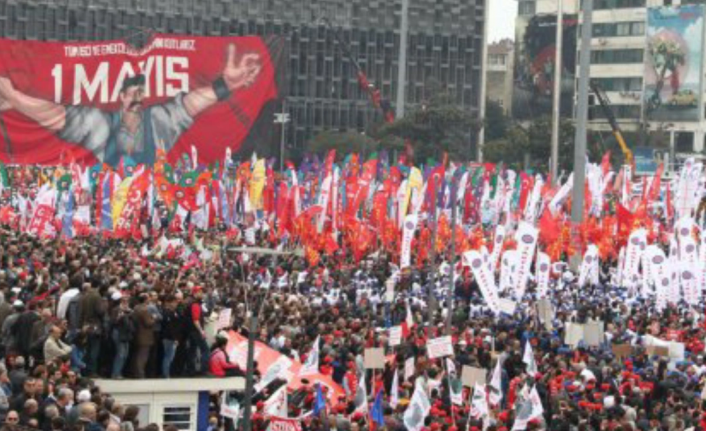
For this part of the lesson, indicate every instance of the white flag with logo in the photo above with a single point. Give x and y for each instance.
(311, 366)
(528, 359)
(418, 408)
(395, 390)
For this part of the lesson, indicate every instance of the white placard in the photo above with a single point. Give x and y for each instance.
(395, 336)
(224, 318)
(440, 347)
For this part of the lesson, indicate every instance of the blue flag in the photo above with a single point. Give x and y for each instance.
(67, 227)
(376, 413)
(319, 403)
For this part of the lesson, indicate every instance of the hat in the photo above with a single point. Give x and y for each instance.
(18, 304)
(196, 289)
(116, 296)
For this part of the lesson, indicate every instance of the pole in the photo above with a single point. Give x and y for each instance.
(556, 112)
(250, 376)
(432, 282)
(402, 60)
(483, 83)
(281, 141)
(450, 293)
(581, 125)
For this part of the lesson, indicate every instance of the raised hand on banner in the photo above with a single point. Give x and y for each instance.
(6, 90)
(241, 72)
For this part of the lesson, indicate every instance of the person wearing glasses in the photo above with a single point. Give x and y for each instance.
(12, 418)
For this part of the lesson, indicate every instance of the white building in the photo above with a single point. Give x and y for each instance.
(183, 403)
(619, 66)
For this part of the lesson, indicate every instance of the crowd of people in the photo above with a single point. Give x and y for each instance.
(72, 310)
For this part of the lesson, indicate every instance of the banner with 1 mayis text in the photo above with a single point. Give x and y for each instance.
(107, 101)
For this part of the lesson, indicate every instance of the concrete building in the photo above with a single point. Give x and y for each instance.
(499, 73)
(622, 66)
(446, 41)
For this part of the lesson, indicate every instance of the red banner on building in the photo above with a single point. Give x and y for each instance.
(105, 101)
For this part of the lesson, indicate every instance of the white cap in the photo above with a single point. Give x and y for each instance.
(116, 296)
(18, 303)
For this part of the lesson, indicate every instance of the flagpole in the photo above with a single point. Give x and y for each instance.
(432, 282)
(450, 293)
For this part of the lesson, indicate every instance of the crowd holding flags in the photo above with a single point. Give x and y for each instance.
(358, 208)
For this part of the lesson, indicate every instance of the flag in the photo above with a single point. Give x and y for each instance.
(276, 405)
(496, 390)
(408, 323)
(361, 396)
(319, 402)
(311, 366)
(418, 409)
(395, 391)
(376, 413)
(67, 223)
(479, 404)
(4, 177)
(528, 359)
(455, 386)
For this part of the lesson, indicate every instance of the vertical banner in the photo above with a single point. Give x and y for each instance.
(673, 63)
(660, 270)
(543, 267)
(484, 278)
(636, 246)
(410, 225)
(526, 237)
(589, 266)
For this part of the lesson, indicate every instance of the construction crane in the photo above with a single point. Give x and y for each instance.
(610, 116)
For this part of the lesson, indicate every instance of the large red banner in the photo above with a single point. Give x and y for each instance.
(107, 101)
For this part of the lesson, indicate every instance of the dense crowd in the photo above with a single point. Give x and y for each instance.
(93, 306)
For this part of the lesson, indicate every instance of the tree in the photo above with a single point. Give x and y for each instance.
(509, 149)
(437, 125)
(496, 122)
(351, 142)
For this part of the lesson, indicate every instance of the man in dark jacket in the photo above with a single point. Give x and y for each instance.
(91, 309)
(22, 330)
(144, 335)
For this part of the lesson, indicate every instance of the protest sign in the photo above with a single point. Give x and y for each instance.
(440, 347)
(622, 350)
(593, 333)
(409, 368)
(224, 318)
(395, 336)
(374, 358)
(472, 375)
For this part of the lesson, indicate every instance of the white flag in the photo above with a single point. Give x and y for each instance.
(395, 391)
(276, 405)
(455, 388)
(479, 404)
(418, 408)
(361, 396)
(311, 366)
(496, 389)
(528, 359)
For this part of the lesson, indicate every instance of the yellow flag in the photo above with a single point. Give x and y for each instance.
(120, 198)
(257, 183)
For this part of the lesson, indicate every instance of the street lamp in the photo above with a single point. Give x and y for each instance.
(281, 118)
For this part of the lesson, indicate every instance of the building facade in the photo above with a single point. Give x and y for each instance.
(624, 32)
(499, 73)
(445, 44)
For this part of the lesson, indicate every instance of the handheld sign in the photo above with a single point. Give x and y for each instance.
(374, 358)
(440, 347)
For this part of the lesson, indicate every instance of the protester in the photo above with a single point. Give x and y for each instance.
(141, 306)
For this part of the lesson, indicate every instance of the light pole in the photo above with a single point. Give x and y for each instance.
(556, 112)
(282, 118)
(581, 124)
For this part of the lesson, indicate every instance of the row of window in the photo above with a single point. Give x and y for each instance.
(617, 4)
(619, 29)
(619, 84)
(617, 56)
(595, 112)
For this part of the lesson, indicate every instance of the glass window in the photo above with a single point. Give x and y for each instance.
(180, 416)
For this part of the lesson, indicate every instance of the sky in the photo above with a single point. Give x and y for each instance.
(502, 19)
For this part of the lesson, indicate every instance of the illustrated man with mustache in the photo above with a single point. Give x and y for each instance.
(135, 130)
